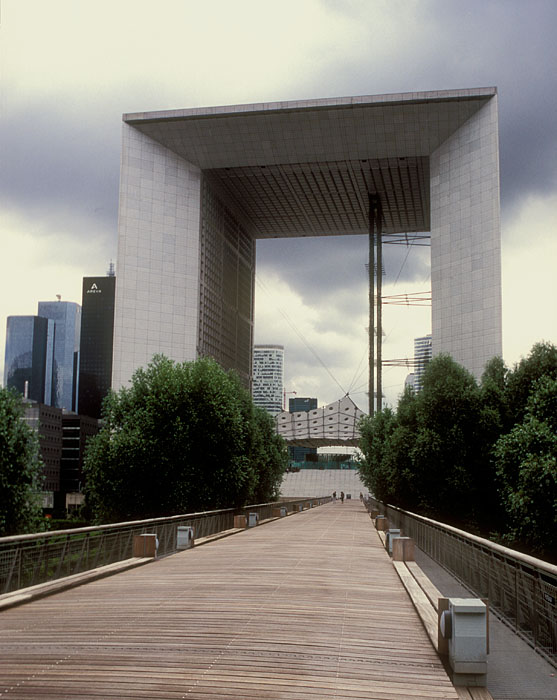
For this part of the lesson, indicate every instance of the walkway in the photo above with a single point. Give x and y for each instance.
(308, 606)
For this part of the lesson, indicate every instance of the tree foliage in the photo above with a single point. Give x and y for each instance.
(269, 454)
(527, 468)
(375, 442)
(182, 438)
(446, 454)
(541, 362)
(20, 469)
(481, 456)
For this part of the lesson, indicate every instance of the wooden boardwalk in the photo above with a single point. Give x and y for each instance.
(307, 606)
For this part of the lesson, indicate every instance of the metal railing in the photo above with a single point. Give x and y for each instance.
(521, 589)
(27, 560)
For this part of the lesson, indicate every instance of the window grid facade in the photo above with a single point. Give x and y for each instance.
(422, 355)
(46, 421)
(268, 377)
(225, 287)
(76, 430)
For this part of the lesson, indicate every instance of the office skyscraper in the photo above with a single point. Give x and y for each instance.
(422, 355)
(29, 356)
(76, 430)
(46, 421)
(297, 405)
(268, 363)
(67, 319)
(301, 403)
(97, 326)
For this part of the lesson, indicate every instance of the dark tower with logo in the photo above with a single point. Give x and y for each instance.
(97, 328)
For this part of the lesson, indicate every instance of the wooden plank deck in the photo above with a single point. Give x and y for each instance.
(307, 606)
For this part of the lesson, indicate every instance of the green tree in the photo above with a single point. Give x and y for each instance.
(448, 456)
(374, 443)
(495, 418)
(183, 437)
(270, 455)
(397, 456)
(526, 460)
(493, 388)
(541, 362)
(20, 469)
(451, 450)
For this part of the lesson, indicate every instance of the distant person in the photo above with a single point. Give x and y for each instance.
(342, 496)
(334, 496)
(361, 496)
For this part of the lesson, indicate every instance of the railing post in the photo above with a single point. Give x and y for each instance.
(38, 563)
(100, 545)
(537, 599)
(516, 598)
(14, 566)
(61, 557)
(87, 549)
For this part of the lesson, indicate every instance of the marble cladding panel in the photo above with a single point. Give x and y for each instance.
(465, 242)
(157, 286)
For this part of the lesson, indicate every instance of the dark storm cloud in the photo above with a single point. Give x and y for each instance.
(518, 51)
(528, 143)
(58, 165)
(64, 157)
(509, 44)
(326, 366)
(318, 267)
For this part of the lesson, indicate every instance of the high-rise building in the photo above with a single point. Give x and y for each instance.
(410, 381)
(29, 356)
(268, 372)
(76, 430)
(422, 355)
(97, 326)
(295, 405)
(200, 186)
(63, 437)
(67, 319)
(301, 403)
(47, 422)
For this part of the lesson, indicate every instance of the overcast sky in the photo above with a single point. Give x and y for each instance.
(70, 68)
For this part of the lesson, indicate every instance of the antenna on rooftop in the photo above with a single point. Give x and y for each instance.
(111, 272)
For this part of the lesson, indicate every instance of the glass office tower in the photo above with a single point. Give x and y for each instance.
(97, 328)
(67, 319)
(29, 356)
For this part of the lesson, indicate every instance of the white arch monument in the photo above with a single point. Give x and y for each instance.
(200, 186)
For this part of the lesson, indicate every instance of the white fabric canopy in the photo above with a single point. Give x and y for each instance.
(334, 424)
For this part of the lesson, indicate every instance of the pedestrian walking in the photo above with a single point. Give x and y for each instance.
(342, 496)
